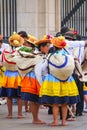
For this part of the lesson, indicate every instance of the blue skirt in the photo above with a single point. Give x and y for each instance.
(10, 92)
(30, 97)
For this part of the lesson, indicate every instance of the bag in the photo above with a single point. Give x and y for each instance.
(26, 61)
(61, 66)
(9, 61)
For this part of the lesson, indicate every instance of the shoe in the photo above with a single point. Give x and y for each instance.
(85, 110)
(2, 102)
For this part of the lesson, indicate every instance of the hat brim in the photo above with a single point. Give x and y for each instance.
(59, 46)
(30, 42)
(70, 36)
(43, 41)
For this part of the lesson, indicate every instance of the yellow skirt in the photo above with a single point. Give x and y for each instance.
(54, 91)
(2, 70)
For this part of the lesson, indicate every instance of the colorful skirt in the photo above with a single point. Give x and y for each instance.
(11, 84)
(30, 87)
(1, 77)
(53, 91)
(85, 89)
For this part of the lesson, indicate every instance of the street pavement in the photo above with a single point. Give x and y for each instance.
(25, 123)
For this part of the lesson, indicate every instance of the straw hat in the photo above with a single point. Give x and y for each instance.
(16, 40)
(45, 39)
(58, 42)
(31, 39)
(61, 66)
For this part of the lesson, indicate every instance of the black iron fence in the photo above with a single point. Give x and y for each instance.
(73, 14)
(8, 17)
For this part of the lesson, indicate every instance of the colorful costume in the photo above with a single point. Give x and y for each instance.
(56, 91)
(29, 85)
(11, 78)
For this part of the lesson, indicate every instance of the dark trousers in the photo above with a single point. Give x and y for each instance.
(79, 105)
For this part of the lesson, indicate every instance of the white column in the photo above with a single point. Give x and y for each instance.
(27, 14)
(57, 15)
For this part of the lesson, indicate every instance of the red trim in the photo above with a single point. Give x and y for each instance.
(9, 52)
(3, 57)
(9, 61)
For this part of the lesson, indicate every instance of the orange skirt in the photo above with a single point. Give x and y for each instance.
(30, 87)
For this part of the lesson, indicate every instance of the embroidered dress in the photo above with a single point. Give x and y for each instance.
(54, 91)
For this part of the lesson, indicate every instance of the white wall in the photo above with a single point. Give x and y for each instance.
(38, 17)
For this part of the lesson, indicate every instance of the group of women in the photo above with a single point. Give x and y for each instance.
(43, 81)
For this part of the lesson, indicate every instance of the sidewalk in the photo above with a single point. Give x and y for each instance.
(25, 123)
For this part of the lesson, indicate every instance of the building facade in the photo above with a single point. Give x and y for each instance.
(39, 17)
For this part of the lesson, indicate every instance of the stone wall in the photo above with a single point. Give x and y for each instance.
(38, 17)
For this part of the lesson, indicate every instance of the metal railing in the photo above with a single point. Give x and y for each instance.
(8, 17)
(73, 14)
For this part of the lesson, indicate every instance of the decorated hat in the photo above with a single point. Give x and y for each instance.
(58, 42)
(16, 40)
(45, 39)
(31, 39)
(71, 35)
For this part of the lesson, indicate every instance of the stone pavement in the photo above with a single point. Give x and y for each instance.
(25, 123)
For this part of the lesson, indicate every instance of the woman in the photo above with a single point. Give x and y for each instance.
(43, 46)
(11, 84)
(29, 43)
(30, 85)
(56, 90)
(2, 70)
